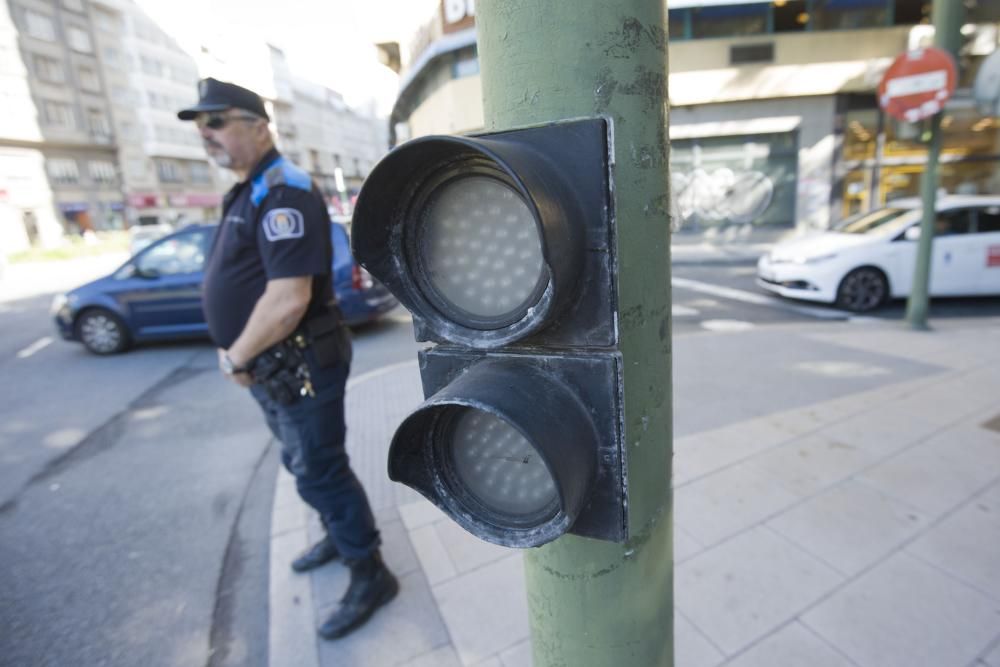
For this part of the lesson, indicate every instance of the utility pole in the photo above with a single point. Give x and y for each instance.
(947, 18)
(597, 603)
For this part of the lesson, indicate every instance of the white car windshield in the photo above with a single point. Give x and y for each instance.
(879, 220)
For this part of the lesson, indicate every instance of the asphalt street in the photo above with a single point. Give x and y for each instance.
(135, 490)
(135, 499)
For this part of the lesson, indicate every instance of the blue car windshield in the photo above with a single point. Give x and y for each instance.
(879, 220)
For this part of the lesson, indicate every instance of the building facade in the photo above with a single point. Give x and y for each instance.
(773, 116)
(58, 161)
(166, 176)
(313, 125)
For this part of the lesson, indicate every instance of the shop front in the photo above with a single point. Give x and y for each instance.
(883, 159)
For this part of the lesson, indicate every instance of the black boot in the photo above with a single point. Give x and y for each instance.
(372, 585)
(318, 554)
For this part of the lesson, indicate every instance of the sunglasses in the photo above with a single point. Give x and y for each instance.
(218, 120)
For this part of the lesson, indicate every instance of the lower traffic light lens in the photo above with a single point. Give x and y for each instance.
(480, 251)
(495, 464)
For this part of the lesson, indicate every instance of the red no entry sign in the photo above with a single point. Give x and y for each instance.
(917, 84)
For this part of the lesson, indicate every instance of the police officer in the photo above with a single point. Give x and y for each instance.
(268, 300)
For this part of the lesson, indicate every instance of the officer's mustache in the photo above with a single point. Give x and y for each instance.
(208, 143)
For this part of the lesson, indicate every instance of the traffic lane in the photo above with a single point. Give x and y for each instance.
(53, 399)
(743, 278)
(112, 555)
(25, 322)
(725, 298)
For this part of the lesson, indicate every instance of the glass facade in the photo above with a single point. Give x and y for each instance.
(780, 16)
(720, 181)
(883, 159)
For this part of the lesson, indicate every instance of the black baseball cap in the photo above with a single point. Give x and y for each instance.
(215, 95)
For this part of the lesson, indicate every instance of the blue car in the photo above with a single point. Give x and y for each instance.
(156, 295)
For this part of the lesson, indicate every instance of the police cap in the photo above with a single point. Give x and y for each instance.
(215, 95)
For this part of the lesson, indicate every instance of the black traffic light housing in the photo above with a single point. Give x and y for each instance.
(502, 248)
(560, 171)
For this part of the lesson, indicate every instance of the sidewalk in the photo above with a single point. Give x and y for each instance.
(856, 524)
(28, 279)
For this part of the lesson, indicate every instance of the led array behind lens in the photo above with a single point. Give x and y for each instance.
(480, 247)
(499, 467)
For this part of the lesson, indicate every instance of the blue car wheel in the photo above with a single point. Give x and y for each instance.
(101, 331)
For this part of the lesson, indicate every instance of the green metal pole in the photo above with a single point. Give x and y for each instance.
(592, 603)
(947, 18)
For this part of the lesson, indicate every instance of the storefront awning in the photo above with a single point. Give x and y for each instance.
(735, 128)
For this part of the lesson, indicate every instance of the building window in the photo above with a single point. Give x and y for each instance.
(466, 64)
(102, 171)
(982, 11)
(39, 26)
(48, 69)
(790, 16)
(168, 171)
(678, 24)
(58, 114)
(729, 20)
(99, 124)
(200, 173)
(89, 79)
(78, 39)
(740, 180)
(111, 55)
(151, 66)
(849, 14)
(75, 5)
(743, 54)
(106, 21)
(63, 171)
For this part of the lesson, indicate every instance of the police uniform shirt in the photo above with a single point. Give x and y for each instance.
(274, 225)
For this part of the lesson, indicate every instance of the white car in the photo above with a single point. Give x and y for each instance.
(871, 257)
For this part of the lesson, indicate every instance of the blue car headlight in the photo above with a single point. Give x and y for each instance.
(58, 303)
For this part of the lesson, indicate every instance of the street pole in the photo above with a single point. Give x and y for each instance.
(947, 19)
(595, 603)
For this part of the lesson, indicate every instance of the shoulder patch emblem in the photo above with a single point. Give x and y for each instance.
(283, 223)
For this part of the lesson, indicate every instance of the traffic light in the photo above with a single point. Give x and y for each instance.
(502, 247)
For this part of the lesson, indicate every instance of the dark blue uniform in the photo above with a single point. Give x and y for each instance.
(275, 225)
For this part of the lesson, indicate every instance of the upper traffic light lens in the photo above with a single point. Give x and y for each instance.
(479, 249)
(498, 467)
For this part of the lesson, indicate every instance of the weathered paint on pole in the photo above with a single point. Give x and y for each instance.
(596, 603)
(947, 19)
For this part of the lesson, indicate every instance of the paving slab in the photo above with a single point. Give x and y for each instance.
(691, 647)
(729, 501)
(906, 612)
(791, 646)
(483, 612)
(851, 526)
(931, 477)
(749, 586)
(966, 544)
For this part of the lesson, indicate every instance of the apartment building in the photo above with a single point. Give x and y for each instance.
(313, 125)
(58, 162)
(774, 120)
(166, 175)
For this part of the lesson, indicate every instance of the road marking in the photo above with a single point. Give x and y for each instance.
(683, 311)
(758, 299)
(727, 325)
(39, 344)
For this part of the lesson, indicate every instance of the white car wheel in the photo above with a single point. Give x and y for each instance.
(862, 290)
